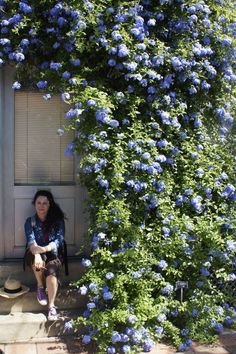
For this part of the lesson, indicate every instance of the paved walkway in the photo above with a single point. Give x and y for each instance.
(69, 345)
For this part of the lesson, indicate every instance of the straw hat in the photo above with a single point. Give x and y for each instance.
(13, 288)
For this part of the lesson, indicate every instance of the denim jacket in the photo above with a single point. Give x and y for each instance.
(35, 234)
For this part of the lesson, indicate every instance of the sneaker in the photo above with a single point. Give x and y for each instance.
(52, 313)
(41, 296)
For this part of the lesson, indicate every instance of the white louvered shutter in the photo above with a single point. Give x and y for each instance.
(39, 150)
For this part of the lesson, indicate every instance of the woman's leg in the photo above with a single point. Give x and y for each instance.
(41, 296)
(51, 275)
(29, 260)
(39, 277)
(52, 286)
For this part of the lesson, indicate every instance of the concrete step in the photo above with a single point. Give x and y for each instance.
(67, 299)
(23, 318)
(26, 326)
(14, 269)
(70, 344)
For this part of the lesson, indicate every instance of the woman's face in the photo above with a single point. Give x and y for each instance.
(42, 206)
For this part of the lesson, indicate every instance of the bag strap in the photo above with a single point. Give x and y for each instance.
(24, 258)
(65, 258)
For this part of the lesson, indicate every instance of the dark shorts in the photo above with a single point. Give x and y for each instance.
(52, 262)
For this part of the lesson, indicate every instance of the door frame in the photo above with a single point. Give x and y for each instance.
(8, 190)
(8, 156)
(2, 95)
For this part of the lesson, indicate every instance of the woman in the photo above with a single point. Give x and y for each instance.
(45, 234)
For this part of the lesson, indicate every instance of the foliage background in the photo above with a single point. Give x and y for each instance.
(150, 87)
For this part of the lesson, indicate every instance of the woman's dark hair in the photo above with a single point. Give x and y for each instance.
(54, 212)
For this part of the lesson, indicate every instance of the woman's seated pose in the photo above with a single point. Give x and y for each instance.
(45, 234)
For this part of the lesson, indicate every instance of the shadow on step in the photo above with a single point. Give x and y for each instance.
(69, 345)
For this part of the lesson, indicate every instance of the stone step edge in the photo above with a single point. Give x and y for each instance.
(54, 339)
(37, 316)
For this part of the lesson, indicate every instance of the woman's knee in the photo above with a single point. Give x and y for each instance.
(51, 270)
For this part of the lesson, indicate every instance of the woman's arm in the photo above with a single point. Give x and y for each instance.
(35, 249)
(59, 237)
(29, 233)
(31, 239)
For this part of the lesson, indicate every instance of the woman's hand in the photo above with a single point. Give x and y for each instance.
(38, 262)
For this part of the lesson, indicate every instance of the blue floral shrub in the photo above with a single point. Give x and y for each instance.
(150, 88)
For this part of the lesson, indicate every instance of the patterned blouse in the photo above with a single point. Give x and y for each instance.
(35, 234)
